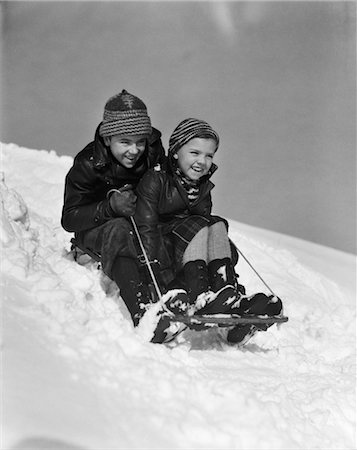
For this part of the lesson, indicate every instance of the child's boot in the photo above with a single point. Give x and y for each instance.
(257, 305)
(196, 281)
(176, 301)
(138, 299)
(134, 292)
(224, 286)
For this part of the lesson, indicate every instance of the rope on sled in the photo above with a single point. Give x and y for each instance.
(250, 265)
(147, 262)
(152, 275)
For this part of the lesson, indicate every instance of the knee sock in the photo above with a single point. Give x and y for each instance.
(197, 248)
(218, 242)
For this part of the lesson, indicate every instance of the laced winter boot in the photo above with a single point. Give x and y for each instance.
(138, 299)
(258, 305)
(224, 286)
(196, 281)
(176, 301)
(134, 292)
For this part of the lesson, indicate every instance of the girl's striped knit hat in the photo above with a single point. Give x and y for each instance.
(189, 129)
(125, 114)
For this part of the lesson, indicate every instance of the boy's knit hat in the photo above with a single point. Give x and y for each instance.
(125, 114)
(189, 129)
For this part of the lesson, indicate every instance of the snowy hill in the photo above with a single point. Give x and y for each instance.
(76, 375)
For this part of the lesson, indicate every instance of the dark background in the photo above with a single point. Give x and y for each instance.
(275, 79)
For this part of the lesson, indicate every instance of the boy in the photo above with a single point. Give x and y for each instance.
(99, 195)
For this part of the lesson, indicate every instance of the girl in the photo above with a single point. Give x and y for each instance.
(189, 245)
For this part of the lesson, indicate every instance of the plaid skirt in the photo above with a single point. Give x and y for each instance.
(186, 229)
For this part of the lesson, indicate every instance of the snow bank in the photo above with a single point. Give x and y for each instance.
(76, 375)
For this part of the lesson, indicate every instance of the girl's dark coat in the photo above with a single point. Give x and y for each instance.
(167, 220)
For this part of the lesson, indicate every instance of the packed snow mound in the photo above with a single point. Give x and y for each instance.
(76, 374)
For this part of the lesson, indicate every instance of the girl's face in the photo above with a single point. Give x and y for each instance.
(126, 149)
(195, 158)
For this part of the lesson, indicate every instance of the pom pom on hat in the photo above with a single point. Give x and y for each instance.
(125, 113)
(189, 129)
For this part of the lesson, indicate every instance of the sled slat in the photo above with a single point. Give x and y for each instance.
(227, 321)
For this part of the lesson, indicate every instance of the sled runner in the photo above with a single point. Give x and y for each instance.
(225, 320)
(79, 250)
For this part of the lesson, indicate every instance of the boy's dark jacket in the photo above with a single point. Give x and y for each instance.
(94, 172)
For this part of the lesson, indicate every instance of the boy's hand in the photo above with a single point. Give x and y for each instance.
(123, 201)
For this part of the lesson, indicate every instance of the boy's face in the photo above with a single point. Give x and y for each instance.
(127, 149)
(195, 158)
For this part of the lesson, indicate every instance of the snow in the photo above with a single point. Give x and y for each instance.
(77, 375)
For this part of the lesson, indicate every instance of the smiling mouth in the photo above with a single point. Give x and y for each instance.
(131, 159)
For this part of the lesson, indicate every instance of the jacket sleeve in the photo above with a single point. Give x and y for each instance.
(81, 210)
(147, 212)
